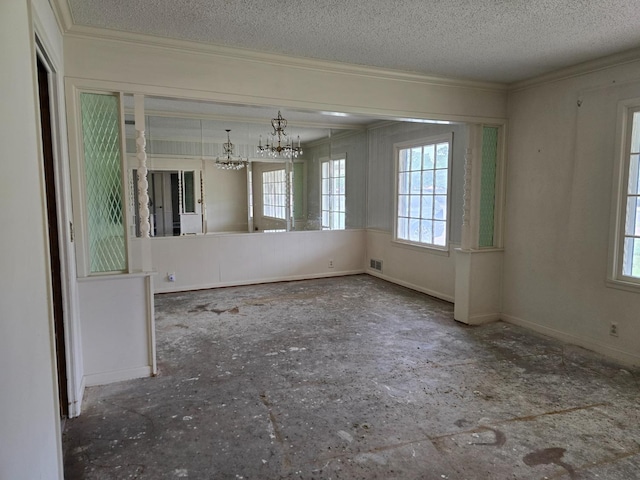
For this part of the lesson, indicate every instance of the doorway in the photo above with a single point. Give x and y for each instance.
(44, 95)
(163, 195)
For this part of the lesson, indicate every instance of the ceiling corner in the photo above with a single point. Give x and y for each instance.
(62, 12)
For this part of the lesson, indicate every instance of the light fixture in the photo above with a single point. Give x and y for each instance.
(280, 144)
(229, 162)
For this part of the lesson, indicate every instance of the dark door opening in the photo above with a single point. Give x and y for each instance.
(54, 244)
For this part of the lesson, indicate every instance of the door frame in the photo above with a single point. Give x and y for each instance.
(53, 234)
(73, 368)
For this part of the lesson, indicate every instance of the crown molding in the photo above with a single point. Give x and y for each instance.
(188, 46)
(62, 12)
(579, 69)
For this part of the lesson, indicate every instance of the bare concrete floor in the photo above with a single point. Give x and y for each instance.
(355, 378)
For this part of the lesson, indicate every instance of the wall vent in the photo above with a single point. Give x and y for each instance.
(375, 264)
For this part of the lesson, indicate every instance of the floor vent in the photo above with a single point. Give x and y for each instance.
(376, 264)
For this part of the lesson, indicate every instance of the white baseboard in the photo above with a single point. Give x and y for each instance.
(117, 376)
(433, 293)
(257, 281)
(612, 352)
(483, 319)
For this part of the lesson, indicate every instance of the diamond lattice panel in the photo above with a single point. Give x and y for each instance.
(488, 185)
(101, 136)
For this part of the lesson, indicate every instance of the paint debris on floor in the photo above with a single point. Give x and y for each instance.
(354, 378)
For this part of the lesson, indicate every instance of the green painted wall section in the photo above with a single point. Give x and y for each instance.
(488, 186)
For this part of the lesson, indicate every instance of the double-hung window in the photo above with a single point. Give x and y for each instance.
(334, 174)
(422, 200)
(627, 251)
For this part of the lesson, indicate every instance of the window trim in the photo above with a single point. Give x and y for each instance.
(435, 139)
(624, 126)
(329, 159)
(78, 180)
(284, 207)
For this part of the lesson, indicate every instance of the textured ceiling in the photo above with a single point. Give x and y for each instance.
(492, 40)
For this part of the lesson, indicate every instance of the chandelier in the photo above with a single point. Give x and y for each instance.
(280, 144)
(228, 161)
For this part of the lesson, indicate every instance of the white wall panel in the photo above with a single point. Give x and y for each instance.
(200, 72)
(414, 267)
(205, 261)
(29, 415)
(560, 166)
(226, 199)
(116, 322)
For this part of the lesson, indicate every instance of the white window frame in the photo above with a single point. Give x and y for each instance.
(446, 138)
(615, 275)
(332, 197)
(282, 195)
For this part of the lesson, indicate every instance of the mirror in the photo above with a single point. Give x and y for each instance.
(175, 206)
(345, 158)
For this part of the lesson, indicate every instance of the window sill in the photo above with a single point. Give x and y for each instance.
(481, 250)
(444, 251)
(623, 285)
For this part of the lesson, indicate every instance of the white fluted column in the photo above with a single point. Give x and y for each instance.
(472, 177)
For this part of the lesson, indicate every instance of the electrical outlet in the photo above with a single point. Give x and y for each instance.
(613, 329)
(330, 263)
(171, 277)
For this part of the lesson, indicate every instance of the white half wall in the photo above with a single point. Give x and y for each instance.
(558, 212)
(117, 327)
(218, 260)
(478, 281)
(426, 271)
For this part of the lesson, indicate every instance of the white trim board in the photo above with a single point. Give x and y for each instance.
(117, 376)
(259, 281)
(589, 344)
(432, 293)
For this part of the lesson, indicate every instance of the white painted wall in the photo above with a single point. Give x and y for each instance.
(116, 327)
(478, 285)
(226, 199)
(188, 70)
(426, 271)
(29, 416)
(558, 204)
(218, 260)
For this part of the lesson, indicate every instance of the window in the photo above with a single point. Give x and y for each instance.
(189, 192)
(274, 194)
(422, 192)
(103, 182)
(629, 261)
(334, 194)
